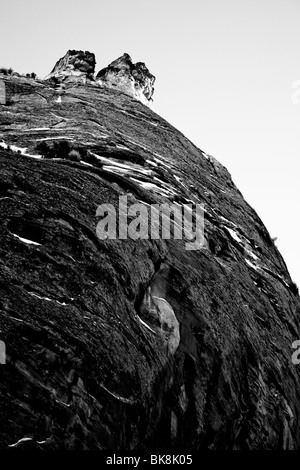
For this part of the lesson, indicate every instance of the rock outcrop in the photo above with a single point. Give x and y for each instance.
(133, 344)
(77, 64)
(133, 79)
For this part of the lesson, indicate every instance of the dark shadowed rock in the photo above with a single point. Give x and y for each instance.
(133, 344)
(133, 79)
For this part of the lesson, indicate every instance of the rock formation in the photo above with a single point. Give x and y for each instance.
(133, 344)
(74, 64)
(133, 79)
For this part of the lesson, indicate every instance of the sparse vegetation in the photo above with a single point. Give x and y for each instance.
(30, 75)
(6, 71)
(65, 150)
(74, 156)
(10, 71)
(56, 149)
(91, 159)
(44, 149)
(294, 288)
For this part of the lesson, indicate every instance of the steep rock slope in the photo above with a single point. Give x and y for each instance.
(133, 344)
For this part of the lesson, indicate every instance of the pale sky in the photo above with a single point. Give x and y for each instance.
(224, 74)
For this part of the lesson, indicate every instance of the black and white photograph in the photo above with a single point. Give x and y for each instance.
(149, 229)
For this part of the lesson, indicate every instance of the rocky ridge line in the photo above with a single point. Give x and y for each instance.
(122, 74)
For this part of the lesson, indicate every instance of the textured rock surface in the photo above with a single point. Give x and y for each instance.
(74, 64)
(123, 344)
(2, 92)
(133, 79)
(77, 67)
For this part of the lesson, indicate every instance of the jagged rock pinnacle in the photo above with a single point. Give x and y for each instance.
(122, 74)
(133, 79)
(74, 63)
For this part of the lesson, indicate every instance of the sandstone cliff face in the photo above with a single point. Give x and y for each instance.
(133, 344)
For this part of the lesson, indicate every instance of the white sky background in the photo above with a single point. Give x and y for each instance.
(224, 73)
